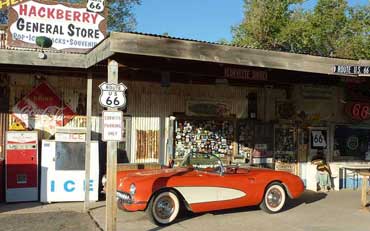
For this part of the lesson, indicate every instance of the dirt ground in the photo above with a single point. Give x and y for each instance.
(38, 216)
(333, 211)
(56, 221)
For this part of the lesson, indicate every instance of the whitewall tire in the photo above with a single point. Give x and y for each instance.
(163, 208)
(274, 198)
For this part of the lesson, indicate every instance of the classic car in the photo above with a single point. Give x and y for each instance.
(202, 183)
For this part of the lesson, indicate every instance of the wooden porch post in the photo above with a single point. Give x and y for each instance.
(111, 202)
(88, 142)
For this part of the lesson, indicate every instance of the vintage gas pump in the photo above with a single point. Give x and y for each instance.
(21, 166)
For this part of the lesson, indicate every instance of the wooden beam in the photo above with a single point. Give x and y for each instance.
(30, 58)
(206, 52)
(111, 202)
(100, 53)
(88, 142)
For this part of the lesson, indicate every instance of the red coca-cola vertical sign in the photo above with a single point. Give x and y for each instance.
(43, 108)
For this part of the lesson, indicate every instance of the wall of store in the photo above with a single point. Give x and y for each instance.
(71, 91)
(150, 105)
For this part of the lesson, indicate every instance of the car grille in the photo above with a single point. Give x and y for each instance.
(125, 197)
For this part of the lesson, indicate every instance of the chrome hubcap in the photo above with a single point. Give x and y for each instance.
(164, 207)
(274, 198)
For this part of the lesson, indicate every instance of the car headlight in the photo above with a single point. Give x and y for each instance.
(132, 189)
(104, 180)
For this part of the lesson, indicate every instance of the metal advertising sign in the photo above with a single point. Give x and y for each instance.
(96, 6)
(68, 27)
(42, 109)
(351, 70)
(112, 95)
(319, 138)
(112, 126)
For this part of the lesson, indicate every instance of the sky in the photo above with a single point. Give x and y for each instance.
(204, 20)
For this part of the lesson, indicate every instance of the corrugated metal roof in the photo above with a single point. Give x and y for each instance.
(222, 44)
(172, 37)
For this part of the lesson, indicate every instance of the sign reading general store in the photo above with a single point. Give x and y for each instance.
(67, 27)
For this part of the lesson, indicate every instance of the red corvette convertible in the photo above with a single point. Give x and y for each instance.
(201, 183)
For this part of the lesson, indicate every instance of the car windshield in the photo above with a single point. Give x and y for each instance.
(202, 161)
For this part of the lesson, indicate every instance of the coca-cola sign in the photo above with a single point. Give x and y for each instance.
(43, 109)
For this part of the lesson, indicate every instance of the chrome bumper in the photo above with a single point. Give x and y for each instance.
(125, 197)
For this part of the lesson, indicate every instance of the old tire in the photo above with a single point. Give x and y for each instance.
(274, 198)
(163, 208)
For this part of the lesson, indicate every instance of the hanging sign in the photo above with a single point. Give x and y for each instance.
(68, 27)
(318, 138)
(112, 126)
(210, 108)
(351, 70)
(112, 95)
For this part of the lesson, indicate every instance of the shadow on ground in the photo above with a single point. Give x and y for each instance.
(307, 197)
(9, 207)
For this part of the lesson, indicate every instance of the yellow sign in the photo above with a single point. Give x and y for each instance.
(17, 126)
(9, 3)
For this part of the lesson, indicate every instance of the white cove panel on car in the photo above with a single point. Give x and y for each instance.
(208, 194)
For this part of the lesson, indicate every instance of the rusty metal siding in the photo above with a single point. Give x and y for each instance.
(3, 128)
(151, 105)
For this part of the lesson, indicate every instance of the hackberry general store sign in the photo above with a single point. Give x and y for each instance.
(68, 27)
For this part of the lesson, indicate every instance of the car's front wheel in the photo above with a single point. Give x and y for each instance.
(163, 208)
(274, 198)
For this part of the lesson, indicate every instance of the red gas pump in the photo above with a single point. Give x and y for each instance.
(21, 166)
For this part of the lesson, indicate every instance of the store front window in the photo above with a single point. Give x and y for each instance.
(351, 143)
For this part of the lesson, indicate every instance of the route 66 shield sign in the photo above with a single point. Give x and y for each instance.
(112, 95)
(96, 6)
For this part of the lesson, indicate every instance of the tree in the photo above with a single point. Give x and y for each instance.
(326, 24)
(264, 21)
(332, 28)
(120, 16)
(354, 41)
